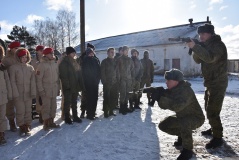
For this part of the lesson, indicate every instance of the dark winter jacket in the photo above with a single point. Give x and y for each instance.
(70, 76)
(182, 100)
(91, 71)
(213, 59)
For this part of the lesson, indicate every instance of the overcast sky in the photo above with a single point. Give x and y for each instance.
(106, 18)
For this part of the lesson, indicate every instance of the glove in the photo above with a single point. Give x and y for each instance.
(158, 92)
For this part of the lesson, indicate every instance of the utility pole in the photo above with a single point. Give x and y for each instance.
(82, 25)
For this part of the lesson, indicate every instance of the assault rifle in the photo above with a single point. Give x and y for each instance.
(187, 39)
(154, 92)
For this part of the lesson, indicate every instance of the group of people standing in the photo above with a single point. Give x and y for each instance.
(43, 77)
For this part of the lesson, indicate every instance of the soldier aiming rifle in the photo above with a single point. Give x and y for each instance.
(187, 39)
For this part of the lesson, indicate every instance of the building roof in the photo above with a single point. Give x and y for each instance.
(146, 38)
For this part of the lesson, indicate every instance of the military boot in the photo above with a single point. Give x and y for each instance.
(214, 143)
(12, 125)
(185, 154)
(52, 124)
(136, 104)
(22, 129)
(131, 106)
(27, 129)
(2, 139)
(68, 119)
(46, 125)
(76, 118)
(178, 142)
(82, 115)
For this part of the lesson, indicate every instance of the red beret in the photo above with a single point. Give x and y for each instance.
(22, 53)
(47, 51)
(14, 44)
(39, 47)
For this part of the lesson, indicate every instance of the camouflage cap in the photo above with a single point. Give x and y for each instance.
(174, 74)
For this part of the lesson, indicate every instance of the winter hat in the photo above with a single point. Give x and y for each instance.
(14, 44)
(146, 52)
(39, 47)
(22, 52)
(89, 45)
(88, 51)
(174, 74)
(47, 51)
(125, 48)
(70, 50)
(120, 48)
(206, 28)
(134, 50)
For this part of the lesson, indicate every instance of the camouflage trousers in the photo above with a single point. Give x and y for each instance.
(181, 127)
(135, 88)
(214, 97)
(110, 97)
(125, 88)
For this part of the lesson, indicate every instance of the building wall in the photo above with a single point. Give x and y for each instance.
(163, 57)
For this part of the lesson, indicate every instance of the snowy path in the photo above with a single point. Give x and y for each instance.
(131, 137)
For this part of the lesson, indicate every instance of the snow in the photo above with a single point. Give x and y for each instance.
(134, 136)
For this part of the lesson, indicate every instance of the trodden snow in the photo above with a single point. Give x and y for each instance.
(134, 136)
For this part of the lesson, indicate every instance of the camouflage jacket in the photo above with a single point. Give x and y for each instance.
(148, 68)
(213, 59)
(182, 100)
(108, 71)
(124, 68)
(138, 69)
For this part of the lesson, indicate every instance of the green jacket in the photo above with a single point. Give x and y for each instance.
(182, 100)
(108, 71)
(213, 59)
(70, 78)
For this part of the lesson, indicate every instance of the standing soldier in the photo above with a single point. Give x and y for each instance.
(213, 58)
(35, 62)
(6, 94)
(22, 77)
(138, 72)
(69, 75)
(109, 81)
(48, 87)
(8, 61)
(148, 73)
(91, 77)
(124, 74)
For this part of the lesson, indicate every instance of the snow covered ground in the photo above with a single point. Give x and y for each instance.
(134, 136)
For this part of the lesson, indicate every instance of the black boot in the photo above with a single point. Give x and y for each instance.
(136, 104)
(214, 143)
(185, 154)
(178, 142)
(124, 109)
(131, 107)
(67, 119)
(151, 103)
(207, 132)
(106, 115)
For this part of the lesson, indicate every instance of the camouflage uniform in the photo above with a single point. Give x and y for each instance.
(148, 73)
(213, 59)
(109, 81)
(138, 72)
(189, 115)
(125, 74)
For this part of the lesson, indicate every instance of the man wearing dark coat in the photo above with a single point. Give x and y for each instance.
(69, 71)
(91, 79)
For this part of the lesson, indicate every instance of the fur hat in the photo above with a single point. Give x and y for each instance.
(70, 50)
(174, 74)
(48, 51)
(39, 47)
(206, 28)
(88, 51)
(14, 44)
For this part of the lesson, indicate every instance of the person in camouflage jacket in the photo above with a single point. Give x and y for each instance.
(109, 81)
(180, 98)
(212, 56)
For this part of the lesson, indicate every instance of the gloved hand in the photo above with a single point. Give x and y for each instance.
(158, 92)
